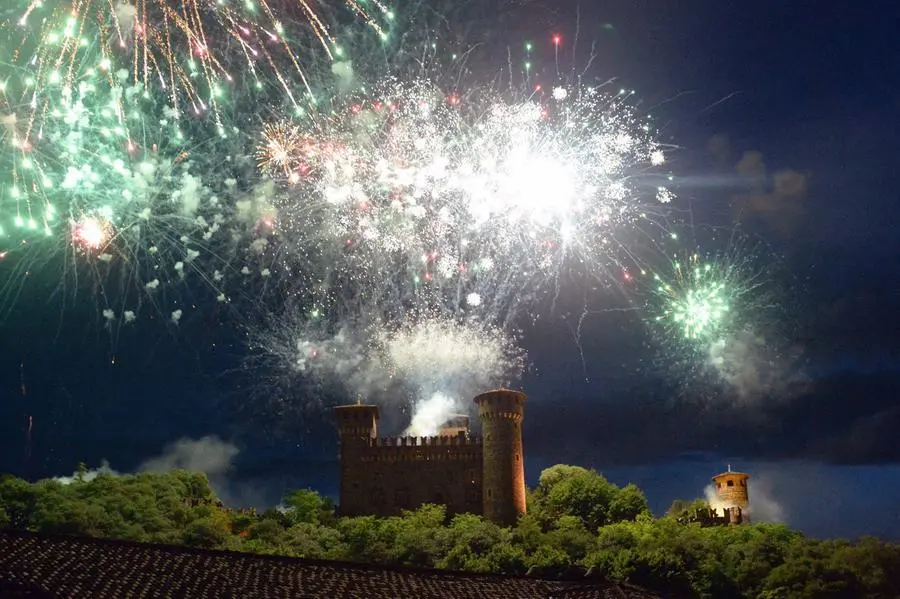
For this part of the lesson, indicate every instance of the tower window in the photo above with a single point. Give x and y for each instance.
(743, 483)
(730, 483)
(490, 494)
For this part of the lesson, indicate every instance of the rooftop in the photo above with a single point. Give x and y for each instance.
(36, 565)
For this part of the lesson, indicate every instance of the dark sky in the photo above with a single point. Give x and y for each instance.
(814, 87)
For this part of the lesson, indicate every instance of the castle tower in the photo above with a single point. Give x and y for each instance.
(503, 484)
(733, 492)
(357, 427)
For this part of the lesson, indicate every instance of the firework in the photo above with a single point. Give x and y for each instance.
(140, 214)
(92, 233)
(721, 323)
(191, 51)
(697, 300)
(421, 362)
(89, 86)
(469, 204)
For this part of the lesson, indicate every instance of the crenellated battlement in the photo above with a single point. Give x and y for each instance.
(425, 449)
(709, 516)
(435, 441)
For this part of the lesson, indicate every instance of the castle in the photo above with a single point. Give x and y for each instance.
(381, 476)
(732, 495)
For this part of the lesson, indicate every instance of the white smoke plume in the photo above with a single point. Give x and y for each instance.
(89, 475)
(126, 13)
(445, 355)
(429, 414)
(257, 207)
(433, 365)
(209, 455)
(9, 122)
(343, 71)
(764, 507)
(754, 368)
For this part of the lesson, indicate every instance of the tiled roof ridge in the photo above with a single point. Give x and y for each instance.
(585, 580)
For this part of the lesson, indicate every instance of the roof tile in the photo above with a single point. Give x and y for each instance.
(77, 567)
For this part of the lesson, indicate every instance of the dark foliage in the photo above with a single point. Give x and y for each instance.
(577, 522)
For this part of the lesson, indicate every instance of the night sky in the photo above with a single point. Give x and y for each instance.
(813, 87)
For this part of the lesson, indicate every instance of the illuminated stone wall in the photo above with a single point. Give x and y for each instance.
(382, 476)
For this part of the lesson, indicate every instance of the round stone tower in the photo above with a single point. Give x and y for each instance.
(503, 482)
(732, 490)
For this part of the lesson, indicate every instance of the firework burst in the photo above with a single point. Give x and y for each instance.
(146, 212)
(462, 202)
(192, 51)
(697, 300)
(722, 322)
(420, 362)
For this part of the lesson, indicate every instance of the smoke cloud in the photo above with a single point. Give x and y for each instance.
(89, 475)
(126, 13)
(343, 71)
(433, 366)
(429, 414)
(755, 368)
(209, 455)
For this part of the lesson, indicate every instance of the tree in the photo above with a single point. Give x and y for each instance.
(305, 505)
(576, 519)
(627, 503)
(469, 541)
(570, 536)
(18, 498)
(687, 511)
(418, 540)
(210, 532)
(313, 541)
(575, 491)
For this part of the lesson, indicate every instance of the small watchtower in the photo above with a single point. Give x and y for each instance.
(503, 487)
(732, 490)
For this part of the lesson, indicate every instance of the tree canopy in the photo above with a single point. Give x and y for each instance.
(577, 521)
